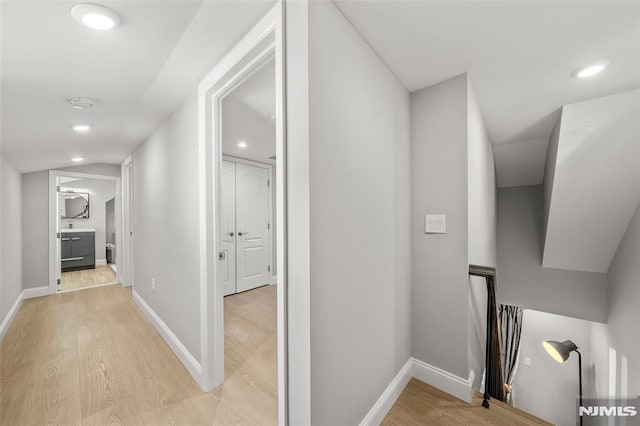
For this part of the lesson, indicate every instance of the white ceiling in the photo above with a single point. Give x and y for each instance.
(596, 184)
(519, 56)
(259, 91)
(246, 116)
(137, 73)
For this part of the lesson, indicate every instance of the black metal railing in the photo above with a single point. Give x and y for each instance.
(494, 376)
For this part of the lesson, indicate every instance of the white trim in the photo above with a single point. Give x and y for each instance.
(8, 319)
(376, 415)
(443, 380)
(183, 354)
(101, 262)
(427, 373)
(124, 254)
(30, 293)
(54, 243)
(274, 280)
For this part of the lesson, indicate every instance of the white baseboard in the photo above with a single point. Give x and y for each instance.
(100, 262)
(443, 380)
(376, 415)
(183, 354)
(274, 280)
(434, 376)
(30, 293)
(8, 319)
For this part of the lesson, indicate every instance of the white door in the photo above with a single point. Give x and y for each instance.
(228, 227)
(252, 226)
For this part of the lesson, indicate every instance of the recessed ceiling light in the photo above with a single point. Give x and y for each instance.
(81, 103)
(242, 144)
(77, 159)
(95, 16)
(591, 70)
(81, 128)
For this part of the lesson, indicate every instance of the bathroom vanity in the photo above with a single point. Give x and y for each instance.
(78, 249)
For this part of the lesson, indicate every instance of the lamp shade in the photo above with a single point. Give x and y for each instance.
(559, 351)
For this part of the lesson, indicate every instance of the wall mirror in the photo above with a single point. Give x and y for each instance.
(75, 205)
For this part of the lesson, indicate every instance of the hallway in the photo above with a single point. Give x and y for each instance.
(90, 357)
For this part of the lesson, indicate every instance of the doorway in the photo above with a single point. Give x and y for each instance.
(248, 249)
(85, 224)
(261, 46)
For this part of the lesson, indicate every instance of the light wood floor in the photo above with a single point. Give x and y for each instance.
(87, 278)
(421, 404)
(90, 357)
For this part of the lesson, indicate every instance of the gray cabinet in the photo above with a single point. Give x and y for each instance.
(78, 251)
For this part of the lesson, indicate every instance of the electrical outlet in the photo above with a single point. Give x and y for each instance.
(153, 284)
(527, 361)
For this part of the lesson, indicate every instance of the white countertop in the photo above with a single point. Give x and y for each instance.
(66, 231)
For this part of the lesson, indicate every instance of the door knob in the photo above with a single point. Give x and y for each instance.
(240, 233)
(231, 234)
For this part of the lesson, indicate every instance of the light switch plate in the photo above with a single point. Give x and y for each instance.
(435, 224)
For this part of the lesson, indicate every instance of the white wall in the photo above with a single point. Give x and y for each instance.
(35, 220)
(166, 233)
(440, 289)
(483, 232)
(100, 191)
(359, 195)
(522, 281)
(11, 240)
(620, 334)
(545, 388)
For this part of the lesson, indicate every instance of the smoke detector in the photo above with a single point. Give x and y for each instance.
(81, 103)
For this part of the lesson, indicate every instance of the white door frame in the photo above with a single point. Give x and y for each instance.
(54, 261)
(125, 267)
(262, 43)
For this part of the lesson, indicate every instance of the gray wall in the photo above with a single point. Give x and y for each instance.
(440, 262)
(550, 172)
(545, 388)
(522, 281)
(95, 169)
(166, 233)
(360, 250)
(35, 229)
(620, 334)
(483, 234)
(482, 192)
(624, 301)
(35, 220)
(10, 251)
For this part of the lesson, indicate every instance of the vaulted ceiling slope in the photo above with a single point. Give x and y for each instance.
(137, 73)
(593, 182)
(520, 56)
